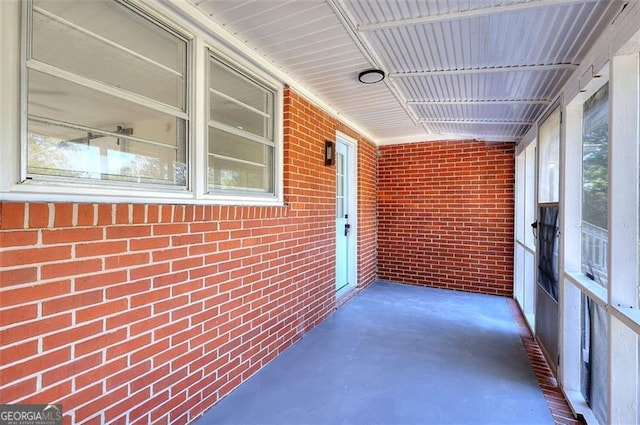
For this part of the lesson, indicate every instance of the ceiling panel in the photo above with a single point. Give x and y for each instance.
(542, 85)
(371, 12)
(501, 39)
(483, 64)
(482, 111)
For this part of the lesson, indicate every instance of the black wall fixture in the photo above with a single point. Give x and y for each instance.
(329, 152)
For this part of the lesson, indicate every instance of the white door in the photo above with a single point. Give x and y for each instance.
(345, 217)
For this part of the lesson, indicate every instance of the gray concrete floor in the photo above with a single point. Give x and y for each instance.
(397, 355)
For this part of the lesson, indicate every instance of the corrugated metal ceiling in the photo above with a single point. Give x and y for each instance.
(483, 69)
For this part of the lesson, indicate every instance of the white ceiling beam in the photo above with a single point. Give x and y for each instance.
(466, 71)
(369, 53)
(476, 136)
(492, 138)
(473, 13)
(480, 122)
(481, 102)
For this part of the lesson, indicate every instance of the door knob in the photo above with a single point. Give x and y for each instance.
(347, 226)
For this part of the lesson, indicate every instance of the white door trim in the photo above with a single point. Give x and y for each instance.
(352, 167)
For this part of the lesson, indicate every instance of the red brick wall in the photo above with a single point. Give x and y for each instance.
(445, 214)
(367, 204)
(142, 313)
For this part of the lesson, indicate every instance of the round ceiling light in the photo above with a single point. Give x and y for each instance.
(371, 76)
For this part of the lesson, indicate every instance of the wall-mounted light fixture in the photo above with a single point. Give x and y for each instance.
(371, 76)
(329, 152)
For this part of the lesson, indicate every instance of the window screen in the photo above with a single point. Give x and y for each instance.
(595, 168)
(593, 375)
(241, 131)
(548, 249)
(106, 95)
(550, 159)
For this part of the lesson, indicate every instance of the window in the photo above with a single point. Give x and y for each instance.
(548, 198)
(593, 372)
(595, 168)
(548, 240)
(525, 273)
(107, 96)
(115, 106)
(241, 136)
(550, 159)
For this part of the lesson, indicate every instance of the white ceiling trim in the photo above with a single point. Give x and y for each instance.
(491, 138)
(481, 102)
(472, 13)
(517, 68)
(421, 137)
(474, 122)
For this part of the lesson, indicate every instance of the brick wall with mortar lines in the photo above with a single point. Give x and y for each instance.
(367, 204)
(445, 214)
(151, 313)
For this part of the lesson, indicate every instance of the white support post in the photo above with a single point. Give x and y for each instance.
(623, 235)
(198, 156)
(570, 242)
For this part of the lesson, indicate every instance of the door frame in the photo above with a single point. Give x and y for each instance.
(352, 177)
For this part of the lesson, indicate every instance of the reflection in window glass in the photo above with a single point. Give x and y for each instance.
(550, 159)
(241, 146)
(595, 168)
(340, 195)
(228, 174)
(66, 152)
(66, 34)
(520, 197)
(83, 122)
(530, 195)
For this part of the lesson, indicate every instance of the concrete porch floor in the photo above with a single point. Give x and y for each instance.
(395, 355)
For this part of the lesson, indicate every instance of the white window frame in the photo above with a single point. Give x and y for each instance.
(184, 21)
(244, 68)
(624, 238)
(352, 146)
(620, 297)
(573, 283)
(525, 271)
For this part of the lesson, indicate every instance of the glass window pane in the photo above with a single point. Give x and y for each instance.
(520, 197)
(530, 195)
(57, 106)
(593, 356)
(239, 163)
(60, 100)
(231, 83)
(230, 145)
(595, 168)
(340, 195)
(234, 114)
(550, 159)
(65, 152)
(240, 108)
(107, 42)
(230, 174)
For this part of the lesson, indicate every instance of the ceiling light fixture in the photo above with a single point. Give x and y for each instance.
(371, 76)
